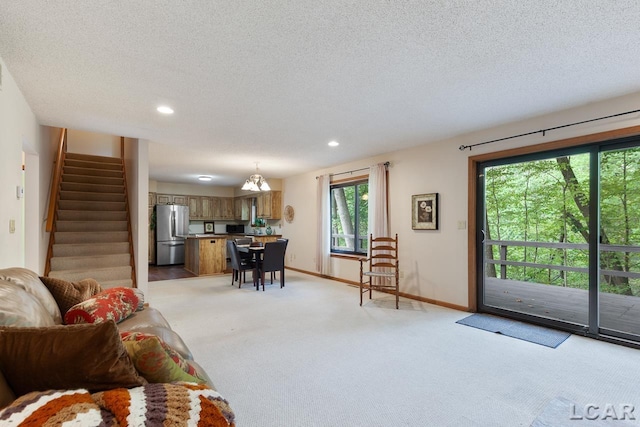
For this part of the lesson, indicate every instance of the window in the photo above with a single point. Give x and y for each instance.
(350, 217)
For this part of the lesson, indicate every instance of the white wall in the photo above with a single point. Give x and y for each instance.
(197, 189)
(39, 156)
(136, 157)
(96, 144)
(18, 126)
(434, 263)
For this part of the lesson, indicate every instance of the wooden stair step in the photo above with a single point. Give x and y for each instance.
(89, 261)
(71, 237)
(87, 179)
(92, 165)
(75, 170)
(91, 226)
(92, 188)
(91, 215)
(78, 205)
(94, 248)
(99, 274)
(92, 158)
(91, 197)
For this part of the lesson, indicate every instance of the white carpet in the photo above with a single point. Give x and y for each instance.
(309, 355)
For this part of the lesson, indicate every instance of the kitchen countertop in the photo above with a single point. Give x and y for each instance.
(225, 235)
(206, 236)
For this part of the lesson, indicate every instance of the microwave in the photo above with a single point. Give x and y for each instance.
(235, 228)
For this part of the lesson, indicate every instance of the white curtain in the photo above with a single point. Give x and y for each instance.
(378, 215)
(323, 242)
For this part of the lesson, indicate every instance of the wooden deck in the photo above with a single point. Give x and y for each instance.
(617, 312)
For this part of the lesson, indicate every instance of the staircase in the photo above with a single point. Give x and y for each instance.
(91, 228)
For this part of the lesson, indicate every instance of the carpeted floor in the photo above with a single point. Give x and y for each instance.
(309, 355)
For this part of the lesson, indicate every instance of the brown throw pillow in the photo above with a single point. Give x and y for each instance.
(89, 356)
(68, 294)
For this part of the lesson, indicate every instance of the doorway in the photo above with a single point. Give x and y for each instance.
(559, 238)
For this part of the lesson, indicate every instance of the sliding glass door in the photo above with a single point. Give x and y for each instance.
(619, 292)
(560, 241)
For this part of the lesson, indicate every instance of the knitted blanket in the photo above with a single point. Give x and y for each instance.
(175, 404)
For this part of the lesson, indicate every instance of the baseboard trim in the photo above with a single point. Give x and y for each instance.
(402, 294)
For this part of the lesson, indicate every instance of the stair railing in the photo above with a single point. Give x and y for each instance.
(126, 199)
(54, 195)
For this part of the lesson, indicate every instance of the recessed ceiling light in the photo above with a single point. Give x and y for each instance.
(165, 110)
(333, 143)
(204, 178)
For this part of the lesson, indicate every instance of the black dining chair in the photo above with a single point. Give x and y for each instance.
(273, 260)
(244, 241)
(239, 265)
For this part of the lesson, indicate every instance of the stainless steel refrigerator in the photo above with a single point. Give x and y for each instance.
(172, 226)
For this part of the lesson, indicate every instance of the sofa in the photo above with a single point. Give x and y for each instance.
(45, 350)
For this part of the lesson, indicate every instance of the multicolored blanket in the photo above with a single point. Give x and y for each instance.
(175, 404)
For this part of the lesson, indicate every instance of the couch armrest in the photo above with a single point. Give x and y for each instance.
(145, 318)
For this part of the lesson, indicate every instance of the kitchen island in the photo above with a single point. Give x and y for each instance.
(205, 254)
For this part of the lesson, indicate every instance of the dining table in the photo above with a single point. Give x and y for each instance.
(256, 252)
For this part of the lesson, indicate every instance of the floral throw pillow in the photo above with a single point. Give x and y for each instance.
(112, 304)
(156, 361)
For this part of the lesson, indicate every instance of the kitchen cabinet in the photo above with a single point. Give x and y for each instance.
(171, 199)
(227, 208)
(266, 238)
(268, 205)
(205, 256)
(180, 200)
(216, 208)
(200, 207)
(194, 207)
(242, 209)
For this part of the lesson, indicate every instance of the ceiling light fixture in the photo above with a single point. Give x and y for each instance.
(204, 178)
(256, 182)
(164, 109)
(333, 144)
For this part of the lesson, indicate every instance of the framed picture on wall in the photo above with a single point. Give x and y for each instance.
(424, 211)
(208, 227)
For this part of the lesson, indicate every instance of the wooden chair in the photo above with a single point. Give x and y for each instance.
(239, 265)
(383, 271)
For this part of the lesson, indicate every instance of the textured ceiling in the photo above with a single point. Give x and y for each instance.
(274, 81)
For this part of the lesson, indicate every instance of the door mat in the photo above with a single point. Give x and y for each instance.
(513, 328)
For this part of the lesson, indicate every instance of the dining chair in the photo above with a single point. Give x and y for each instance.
(383, 271)
(239, 265)
(273, 260)
(244, 241)
(286, 242)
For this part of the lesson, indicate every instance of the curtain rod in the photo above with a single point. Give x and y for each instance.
(354, 170)
(544, 131)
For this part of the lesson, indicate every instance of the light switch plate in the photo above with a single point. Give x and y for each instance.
(12, 226)
(462, 225)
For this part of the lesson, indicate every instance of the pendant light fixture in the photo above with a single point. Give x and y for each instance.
(256, 182)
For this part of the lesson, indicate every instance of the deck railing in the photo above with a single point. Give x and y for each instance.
(503, 260)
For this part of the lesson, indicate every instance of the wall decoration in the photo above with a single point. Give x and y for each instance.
(424, 211)
(288, 213)
(208, 227)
